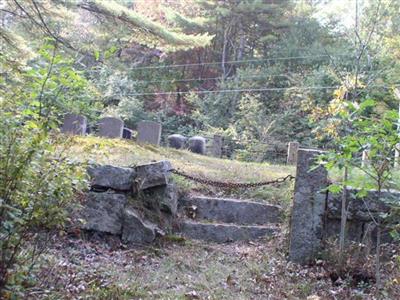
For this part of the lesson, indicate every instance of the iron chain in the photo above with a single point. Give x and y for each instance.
(232, 185)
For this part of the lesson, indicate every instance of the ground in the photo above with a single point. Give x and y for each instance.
(79, 265)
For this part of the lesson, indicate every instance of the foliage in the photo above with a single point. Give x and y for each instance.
(37, 180)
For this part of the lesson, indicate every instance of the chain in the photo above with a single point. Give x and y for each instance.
(232, 185)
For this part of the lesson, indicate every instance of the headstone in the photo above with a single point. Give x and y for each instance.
(127, 133)
(308, 210)
(197, 144)
(293, 147)
(177, 141)
(149, 132)
(111, 127)
(74, 124)
(217, 145)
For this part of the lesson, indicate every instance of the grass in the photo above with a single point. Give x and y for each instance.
(128, 153)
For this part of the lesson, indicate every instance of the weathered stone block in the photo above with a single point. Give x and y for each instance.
(110, 177)
(135, 230)
(164, 198)
(306, 231)
(103, 212)
(111, 127)
(149, 132)
(74, 124)
(152, 175)
(232, 211)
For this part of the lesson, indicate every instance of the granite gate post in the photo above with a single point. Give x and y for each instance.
(308, 210)
(293, 147)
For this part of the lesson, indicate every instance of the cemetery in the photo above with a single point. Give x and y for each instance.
(200, 149)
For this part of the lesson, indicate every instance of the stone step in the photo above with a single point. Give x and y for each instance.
(222, 210)
(222, 233)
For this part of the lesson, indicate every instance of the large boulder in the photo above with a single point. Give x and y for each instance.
(152, 175)
(135, 230)
(103, 212)
(110, 177)
(197, 144)
(177, 141)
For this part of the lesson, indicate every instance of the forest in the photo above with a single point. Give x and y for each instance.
(258, 73)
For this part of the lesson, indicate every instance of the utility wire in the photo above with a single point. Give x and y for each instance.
(253, 90)
(234, 62)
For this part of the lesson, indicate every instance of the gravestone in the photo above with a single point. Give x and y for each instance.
(149, 132)
(74, 124)
(111, 127)
(217, 145)
(309, 204)
(177, 141)
(293, 147)
(127, 133)
(197, 144)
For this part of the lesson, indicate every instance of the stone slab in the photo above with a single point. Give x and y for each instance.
(152, 175)
(231, 211)
(222, 233)
(110, 177)
(135, 230)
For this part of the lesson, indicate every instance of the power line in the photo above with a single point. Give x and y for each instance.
(252, 90)
(264, 76)
(233, 62)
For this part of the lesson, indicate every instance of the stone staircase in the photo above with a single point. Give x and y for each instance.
(225, 220)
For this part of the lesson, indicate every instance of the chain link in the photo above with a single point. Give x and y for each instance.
(232, 185)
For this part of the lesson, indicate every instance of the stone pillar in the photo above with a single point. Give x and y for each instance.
(218, 142)
(308, 210)
(397, 156)
(111, 127)
(149, 132)
(293, 147)
(74, 124)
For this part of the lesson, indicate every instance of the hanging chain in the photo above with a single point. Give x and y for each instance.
(232, 185)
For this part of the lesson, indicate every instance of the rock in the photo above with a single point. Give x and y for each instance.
(197, 144)
(177, 141)
(164, 198)
(152, 175)
(135, 230)
(104, 212)
(110, 177)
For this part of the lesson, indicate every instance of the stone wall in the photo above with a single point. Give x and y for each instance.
(136, 204)
(316, 213)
